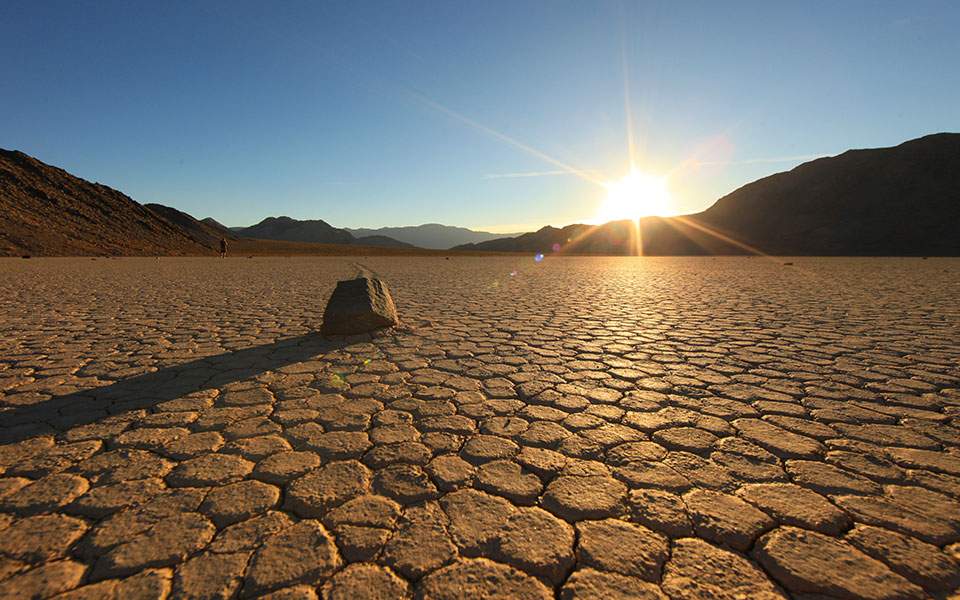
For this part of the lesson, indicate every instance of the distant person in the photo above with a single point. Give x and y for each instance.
(223, 247)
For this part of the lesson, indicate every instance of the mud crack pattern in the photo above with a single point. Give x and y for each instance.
(572, 428)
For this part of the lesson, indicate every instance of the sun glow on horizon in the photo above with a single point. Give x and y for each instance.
(635, 196)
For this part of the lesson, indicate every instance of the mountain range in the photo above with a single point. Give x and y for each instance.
(433, 235)
(46, 211)
(903, 200)
(293, 230)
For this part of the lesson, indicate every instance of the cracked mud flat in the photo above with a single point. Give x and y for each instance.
(583, 428)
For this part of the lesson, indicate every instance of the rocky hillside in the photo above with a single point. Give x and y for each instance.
(903, 200)
(47, 211)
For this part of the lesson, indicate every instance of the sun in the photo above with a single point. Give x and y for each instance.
(636, 195)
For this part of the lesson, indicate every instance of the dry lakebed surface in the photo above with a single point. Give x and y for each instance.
(580, 427)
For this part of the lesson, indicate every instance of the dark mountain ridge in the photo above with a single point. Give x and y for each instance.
(903, 200)
(899, 200)
(293, 230)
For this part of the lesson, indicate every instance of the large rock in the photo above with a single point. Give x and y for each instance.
(358, 306)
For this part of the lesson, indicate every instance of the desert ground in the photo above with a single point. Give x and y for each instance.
(573, 428)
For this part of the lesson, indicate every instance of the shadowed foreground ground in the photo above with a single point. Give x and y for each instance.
(588, 427)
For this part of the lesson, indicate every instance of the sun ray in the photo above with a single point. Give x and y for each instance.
(581, 173)
(571, 242)
(637, 238)
(693, 161)
(631, 142)
(720, 236)
(821, 278)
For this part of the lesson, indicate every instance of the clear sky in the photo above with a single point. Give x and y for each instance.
(466, 113)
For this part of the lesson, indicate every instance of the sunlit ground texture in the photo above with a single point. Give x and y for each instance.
(593, 427)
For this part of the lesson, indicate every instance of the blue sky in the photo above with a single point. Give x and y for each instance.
(397, 113)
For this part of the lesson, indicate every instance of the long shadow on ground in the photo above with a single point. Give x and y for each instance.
(59, 413)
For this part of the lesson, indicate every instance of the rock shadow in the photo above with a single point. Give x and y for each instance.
(20, 422)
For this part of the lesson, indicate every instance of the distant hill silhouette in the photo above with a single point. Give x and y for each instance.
(47, 211)
(903, 200)
(432, 235)
(293, 230)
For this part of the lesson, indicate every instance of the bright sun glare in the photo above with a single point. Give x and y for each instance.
(636, 195)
